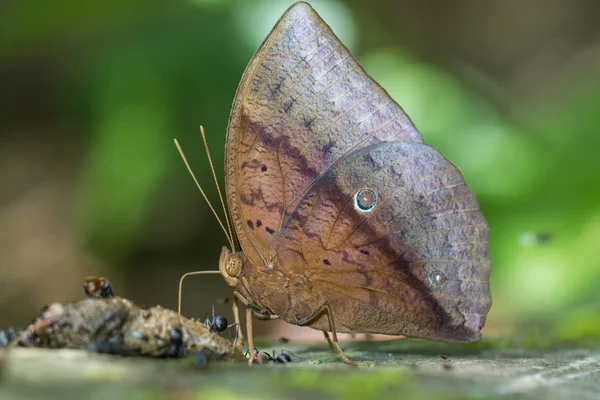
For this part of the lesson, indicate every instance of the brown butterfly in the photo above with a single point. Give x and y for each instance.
(346, 220)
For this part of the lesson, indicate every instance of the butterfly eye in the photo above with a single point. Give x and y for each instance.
(233, 266)
(365, 200)
(437, 278)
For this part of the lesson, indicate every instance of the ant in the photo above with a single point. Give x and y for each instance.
(262, 357)
(219, 324)
(282, 357)
(97, 287)
(177, 347)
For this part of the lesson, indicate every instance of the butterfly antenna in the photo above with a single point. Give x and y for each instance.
(229, 238)
(212, 168)
(181, 284)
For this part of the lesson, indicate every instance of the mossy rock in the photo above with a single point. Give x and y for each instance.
(407, 369)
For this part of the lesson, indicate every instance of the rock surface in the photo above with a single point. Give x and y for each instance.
(407, 369)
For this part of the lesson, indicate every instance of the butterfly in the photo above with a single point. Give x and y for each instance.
(346, 220)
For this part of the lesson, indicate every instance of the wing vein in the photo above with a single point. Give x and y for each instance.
(285, 57)
(335, 121)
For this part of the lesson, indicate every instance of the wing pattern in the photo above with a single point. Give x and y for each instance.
(422, 252)
(303, 104)
(309, 130)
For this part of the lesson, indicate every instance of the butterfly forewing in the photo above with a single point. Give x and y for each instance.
(303, 104)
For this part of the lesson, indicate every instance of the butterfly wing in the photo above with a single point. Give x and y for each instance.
(416, 263)
(307, 130)
(303, 103)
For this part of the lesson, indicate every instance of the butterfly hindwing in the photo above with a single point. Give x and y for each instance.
(416, 263)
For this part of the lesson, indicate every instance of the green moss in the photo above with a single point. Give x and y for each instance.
(355, 384)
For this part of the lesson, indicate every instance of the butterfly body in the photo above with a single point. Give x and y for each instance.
(347, 221)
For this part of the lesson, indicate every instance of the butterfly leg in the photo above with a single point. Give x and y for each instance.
(250, 313)
(249, 333)
(335, 339)
(329, 342)
(334, 345)
(236, 318)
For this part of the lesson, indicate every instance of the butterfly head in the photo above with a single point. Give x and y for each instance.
(230, 265)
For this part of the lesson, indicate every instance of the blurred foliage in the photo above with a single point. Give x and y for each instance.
(114, 82)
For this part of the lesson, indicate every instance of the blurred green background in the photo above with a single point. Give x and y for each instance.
(92, 94)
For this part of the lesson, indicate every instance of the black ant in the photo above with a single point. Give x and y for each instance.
(282, 357)
(177, 347)
(219, 324)
(262, 357)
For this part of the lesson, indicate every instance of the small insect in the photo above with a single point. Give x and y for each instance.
(98, 287)
(218, 323)
(262, 357)
(177, 346)
(281, 357)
